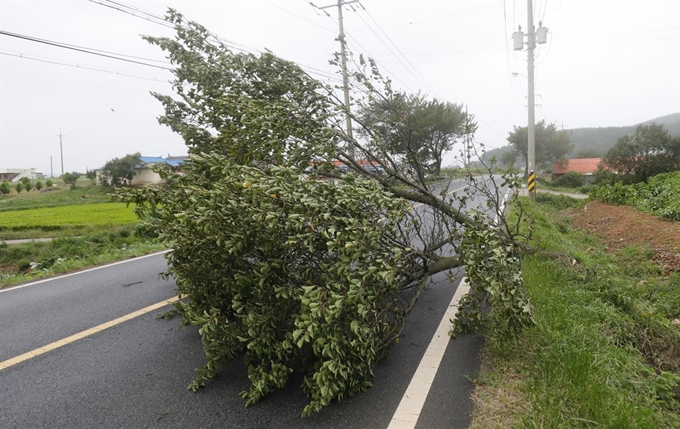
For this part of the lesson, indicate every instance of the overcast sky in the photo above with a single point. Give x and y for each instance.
(606, 63)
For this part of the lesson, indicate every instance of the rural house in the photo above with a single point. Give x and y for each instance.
(147, 176)
(586, 166)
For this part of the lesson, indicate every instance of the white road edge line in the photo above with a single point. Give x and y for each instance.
(81, 272)
(407, 413)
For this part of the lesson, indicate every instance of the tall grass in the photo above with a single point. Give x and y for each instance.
(603, 352)
(30, 261)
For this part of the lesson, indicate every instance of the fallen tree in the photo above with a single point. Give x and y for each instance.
(285, 259)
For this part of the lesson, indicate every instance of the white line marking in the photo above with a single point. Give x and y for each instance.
(81, 272)
(408, 411)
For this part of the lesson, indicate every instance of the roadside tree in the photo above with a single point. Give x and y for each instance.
(289, 269)
(19, 187)
(651, 150)
(38, 185)
(120, 171)
(551, 145)
(26, 182)
(71, 179)
(416, 128)
(5, 187)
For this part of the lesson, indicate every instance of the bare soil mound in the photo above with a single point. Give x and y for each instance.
(621, 226)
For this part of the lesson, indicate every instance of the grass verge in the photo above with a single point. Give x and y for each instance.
(604, 351)
(32, 261)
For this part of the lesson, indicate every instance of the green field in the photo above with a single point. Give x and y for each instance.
(55, 218)
(85, 227)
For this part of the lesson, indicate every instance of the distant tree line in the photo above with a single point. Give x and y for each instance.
(651, 150)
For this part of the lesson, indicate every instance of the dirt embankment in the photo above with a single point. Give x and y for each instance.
(622, 226)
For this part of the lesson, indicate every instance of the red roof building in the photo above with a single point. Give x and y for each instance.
(585, 166)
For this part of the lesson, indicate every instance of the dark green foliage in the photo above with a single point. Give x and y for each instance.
(305, 273)
(49, 183)
(71, 179)
(606, 177)
(120, 171)
(19, 187)
(5, 187)
(661, 196)
(91, 174)
(280, 265)
(38, 185)
(417, 128)
(263, 108)
(27, 183)
(550, 144)
(572, 179)
(651, 150)
(493, 270)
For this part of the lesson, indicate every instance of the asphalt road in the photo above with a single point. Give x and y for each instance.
(134, 374)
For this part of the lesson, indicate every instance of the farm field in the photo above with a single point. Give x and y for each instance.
(54, 218)
(87, 229)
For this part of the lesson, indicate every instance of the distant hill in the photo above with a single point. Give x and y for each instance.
(595, 142)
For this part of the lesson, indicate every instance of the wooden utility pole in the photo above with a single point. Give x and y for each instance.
(343, 64)
(61, 150)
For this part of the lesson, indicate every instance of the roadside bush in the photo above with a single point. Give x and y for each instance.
(606, 177)
(19, 187)
(572, 179)
(660, 196)
(49, 183)
(5, 187)
(27, 183)
(38, 185)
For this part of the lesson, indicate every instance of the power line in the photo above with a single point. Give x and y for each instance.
(382, 67)
(79, 49)
(78, 66)
(298, 16)
(126, 9)
(153, 18)
(417, 74)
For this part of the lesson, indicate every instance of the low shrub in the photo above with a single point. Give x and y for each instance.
(572, 179)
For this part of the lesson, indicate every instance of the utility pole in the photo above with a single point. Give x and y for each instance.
(61, 150)
(343, 64)
(51, 170)
(531, 126)
(532, 38)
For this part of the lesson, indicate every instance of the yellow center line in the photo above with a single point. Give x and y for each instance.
(86, 333)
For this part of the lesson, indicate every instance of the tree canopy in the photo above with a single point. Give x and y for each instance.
(651, 150)
(286, 268)
(550, 144)
(417, 128)
(121, 171)
(71, 178)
